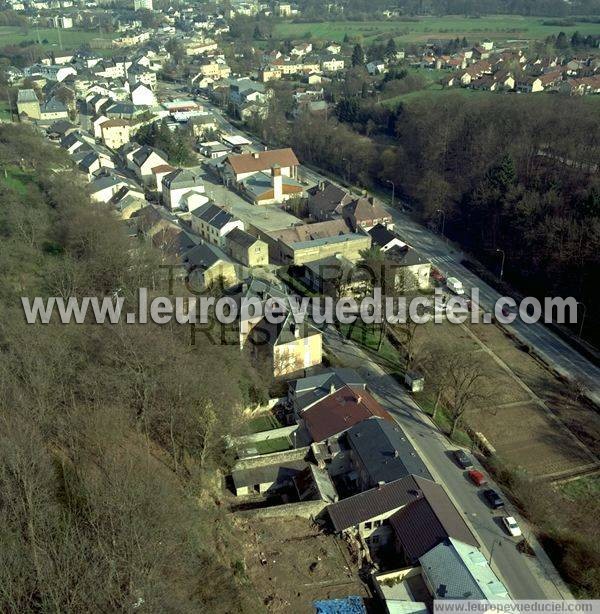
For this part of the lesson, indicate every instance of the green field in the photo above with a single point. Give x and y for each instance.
(269, 446)
(71, 39)
(16, 179)
(495, 27)
(587, 487)
(263, 423)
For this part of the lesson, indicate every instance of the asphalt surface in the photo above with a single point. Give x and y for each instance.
(525, 576)
(551, 348)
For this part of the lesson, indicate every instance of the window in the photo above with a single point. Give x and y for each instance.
(368, 526)
(377, 523)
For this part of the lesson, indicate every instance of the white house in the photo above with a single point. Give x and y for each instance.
(179, 183)
(142, 95)
(143, 160)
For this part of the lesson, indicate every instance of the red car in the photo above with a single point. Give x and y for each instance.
(437, 275)
(477, 477)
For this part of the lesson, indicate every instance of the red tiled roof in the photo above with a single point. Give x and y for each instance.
(341, 410)
(262, 160)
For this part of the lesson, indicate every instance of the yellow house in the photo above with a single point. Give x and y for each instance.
(28, 104)
(246, 248)
(115, 132)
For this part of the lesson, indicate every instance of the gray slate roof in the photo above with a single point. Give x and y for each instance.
(458, 571)
(384, 451)
(376, 502)
(213, 214)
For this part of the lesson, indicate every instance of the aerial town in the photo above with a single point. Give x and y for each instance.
(258, 152)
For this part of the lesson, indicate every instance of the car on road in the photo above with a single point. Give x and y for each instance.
(477, 477)
(511, 526)
(437, 275)
(493, 498)
(463, 459)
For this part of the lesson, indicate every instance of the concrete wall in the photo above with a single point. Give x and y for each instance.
(284, 431)
(272, 459)
(302, 509)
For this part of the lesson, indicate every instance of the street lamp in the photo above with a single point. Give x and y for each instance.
(496, 541)
(393, 190)
(582, 319)
(443, 214)
(501, 251)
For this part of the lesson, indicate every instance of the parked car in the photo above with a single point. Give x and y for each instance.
(511, 526)
(463, 459)
(437, 275)
(455, 285)
(493, 498)
(477, 477)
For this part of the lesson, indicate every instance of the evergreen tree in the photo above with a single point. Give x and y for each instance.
(562, 41)
(358, 56)
(390, 49)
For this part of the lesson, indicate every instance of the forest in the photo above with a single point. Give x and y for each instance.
(508, 172)
(110, 435)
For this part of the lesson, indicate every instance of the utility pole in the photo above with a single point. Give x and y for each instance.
(582, 319)
(393, 190)
(492, 549)
(443, 215)
(60, 46)
(501, 251)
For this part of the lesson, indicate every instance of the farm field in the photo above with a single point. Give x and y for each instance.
(528, 416)
(71, 39)
(494, 27)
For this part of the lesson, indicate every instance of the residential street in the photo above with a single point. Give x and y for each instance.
(522, 574)
(565, 359)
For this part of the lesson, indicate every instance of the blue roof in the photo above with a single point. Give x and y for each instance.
(348, 605)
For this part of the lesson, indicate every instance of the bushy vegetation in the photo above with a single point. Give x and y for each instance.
(510, 172)
(110, 435)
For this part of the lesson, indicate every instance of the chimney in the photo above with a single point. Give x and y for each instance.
(277, 181)
(372, 201)
(256, 155)
(331, 388)
(358, 399)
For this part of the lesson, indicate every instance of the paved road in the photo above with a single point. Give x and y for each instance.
(524, 576)
(564, 358)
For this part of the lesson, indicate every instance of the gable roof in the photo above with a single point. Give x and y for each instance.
(144, 152)
(377, 501)
(366, 208)
(182, 178)
(326, 197)
(458, 571)
(262, 160)
(341, 410)
(241, 237)
(311, 232)
(384, 451)
(425, 523)
(213, 215)
(382, 236)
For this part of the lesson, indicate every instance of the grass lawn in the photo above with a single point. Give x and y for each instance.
(443, 422)
(494, 27)
(582, 488)
(268, 446)
(367, 337)
(16, 179)
(5, 115)
(71, 39)
(263, 423)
